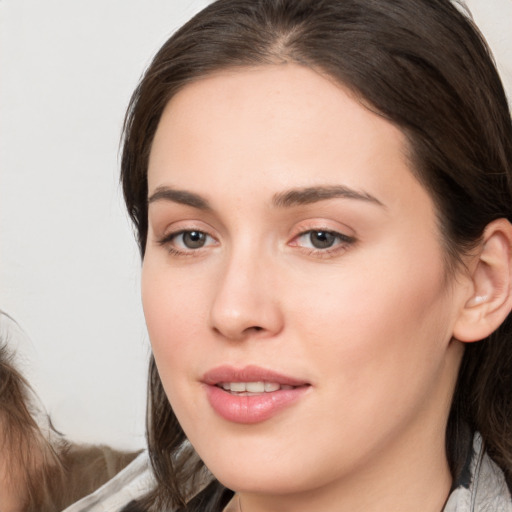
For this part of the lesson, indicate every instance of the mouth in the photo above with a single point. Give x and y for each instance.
(250, 379)
(251, 394)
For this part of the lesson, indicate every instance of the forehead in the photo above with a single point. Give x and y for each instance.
(268, 126)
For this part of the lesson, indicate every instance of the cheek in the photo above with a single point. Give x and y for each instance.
(384, 316)
(378, 346)
(173, 316)
(171, 324)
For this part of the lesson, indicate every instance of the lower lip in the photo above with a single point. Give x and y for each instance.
(251, 409)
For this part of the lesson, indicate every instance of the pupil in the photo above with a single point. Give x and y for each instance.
(194, 239)
(322, 239)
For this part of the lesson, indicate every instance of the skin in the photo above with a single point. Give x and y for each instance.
(368, 322)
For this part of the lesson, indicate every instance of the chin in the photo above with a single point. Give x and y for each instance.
(268, 471)
(267, 480)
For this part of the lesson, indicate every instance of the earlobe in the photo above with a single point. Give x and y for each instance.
(491, 298)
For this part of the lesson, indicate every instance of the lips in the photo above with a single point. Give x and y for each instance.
(252, 394)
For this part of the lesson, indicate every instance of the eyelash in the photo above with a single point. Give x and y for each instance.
(167, 240)
(342, 242)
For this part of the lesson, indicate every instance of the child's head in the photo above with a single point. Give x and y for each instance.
(40, 470)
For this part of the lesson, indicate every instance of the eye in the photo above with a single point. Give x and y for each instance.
(191, 239)
(321, 239)
(186, 241)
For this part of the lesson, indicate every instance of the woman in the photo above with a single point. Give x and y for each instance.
(322, 192)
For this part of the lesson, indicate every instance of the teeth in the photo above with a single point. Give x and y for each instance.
(253, 387)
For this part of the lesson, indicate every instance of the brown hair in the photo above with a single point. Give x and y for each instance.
(423, 65)
(44, 471)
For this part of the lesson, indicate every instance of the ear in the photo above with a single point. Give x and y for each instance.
(490, 296)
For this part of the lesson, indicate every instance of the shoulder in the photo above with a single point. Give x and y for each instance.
(133, 482)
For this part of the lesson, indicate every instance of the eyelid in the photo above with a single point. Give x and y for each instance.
(322, 224)
(344, 240)
(166, 240)
(175, 234)
(337, 234)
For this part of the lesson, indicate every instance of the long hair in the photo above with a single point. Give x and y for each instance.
(40, 467)
(422, 65)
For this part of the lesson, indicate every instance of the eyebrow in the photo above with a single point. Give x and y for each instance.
(310, 195)
(179, 196)
(287, 199)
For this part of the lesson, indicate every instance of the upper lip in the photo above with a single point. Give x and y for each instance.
(249, 373)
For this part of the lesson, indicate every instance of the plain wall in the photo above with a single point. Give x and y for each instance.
(69, 268)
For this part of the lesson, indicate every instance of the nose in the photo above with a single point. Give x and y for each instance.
(246, 300)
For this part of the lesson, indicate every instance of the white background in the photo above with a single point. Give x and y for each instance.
(69, 268)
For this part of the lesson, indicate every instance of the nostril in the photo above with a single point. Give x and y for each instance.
(243, 333)
(253, 329)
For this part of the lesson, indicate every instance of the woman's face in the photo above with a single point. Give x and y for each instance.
(294, 284)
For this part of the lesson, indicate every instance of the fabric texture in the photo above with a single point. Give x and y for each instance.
(128, 485)
(480, 488)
